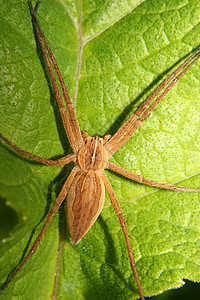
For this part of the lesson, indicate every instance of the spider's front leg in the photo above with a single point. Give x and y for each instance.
(126, 131)
(68, 114)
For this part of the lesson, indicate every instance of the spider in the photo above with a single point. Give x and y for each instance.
(84, 188)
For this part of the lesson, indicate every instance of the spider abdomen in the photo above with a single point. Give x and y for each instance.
(84, 203)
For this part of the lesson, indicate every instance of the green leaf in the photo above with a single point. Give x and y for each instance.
(111, 59)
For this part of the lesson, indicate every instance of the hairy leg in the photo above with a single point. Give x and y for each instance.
(68, 115)
(59, 162)
(139, 178)
(118, 212)
(61, 197)
(144, 111)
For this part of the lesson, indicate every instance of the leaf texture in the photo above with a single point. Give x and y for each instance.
(112, 54)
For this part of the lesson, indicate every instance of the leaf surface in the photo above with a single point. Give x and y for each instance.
(111, 58)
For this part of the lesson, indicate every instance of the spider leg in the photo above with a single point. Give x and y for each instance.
(136, 119)
(119, 213)
(139, 178)
(59, 162)
(61, 197)
(68, 115)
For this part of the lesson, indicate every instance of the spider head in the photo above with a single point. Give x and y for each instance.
(92, 156)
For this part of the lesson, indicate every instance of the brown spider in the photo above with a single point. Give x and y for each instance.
(85, 186)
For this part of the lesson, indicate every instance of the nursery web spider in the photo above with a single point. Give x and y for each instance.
(85, 186)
